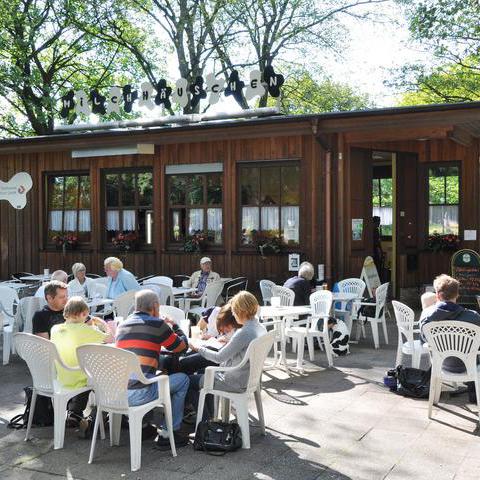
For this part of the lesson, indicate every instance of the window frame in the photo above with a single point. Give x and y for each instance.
(260, 165)
(381, 176)
(108, 245)
(48, 244)
(205, 206)
(446, 164)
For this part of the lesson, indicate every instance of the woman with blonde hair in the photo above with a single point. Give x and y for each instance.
(119, 279)
(244, 308)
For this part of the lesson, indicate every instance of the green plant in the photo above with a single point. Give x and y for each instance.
(195, 243)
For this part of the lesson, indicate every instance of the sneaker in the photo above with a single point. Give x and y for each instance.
(149, 431)
(85, 428)
(73, 419)
(162, 443)
(190, 418)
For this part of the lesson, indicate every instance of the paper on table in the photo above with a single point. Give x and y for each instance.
(212, 342)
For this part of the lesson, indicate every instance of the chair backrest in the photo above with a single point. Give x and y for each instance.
(321, 304)
(92, 275)
(405, 318)
(211, 293)
(381, 300)
(108, 369)
(102, 280)
(8, 300)
(17, 275)
(97, 290)
(352, 285)
(179, 279)
(452, 338)
(266, 289)
(256, 354)
(287, 295)
(427, 299)
(159, 280)
(165, 293)
(27, 308)
(40, 355)
(234, 286)
(124, 303)
(173, 312)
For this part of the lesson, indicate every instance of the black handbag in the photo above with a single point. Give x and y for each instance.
(413, 382)
(42, 416)
(217, 438)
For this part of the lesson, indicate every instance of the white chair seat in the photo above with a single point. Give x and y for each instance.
(417, 346)
(457, 377)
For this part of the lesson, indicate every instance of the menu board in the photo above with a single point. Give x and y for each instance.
(466, 269)
(370, 275)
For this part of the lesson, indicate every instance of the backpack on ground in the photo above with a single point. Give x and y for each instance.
(413, 382)
(217, 438)
(42, 417)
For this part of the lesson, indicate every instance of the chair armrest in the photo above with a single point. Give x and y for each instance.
(367, 303)
(186, 284)
(209, 377)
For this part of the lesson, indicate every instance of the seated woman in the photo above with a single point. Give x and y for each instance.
(225, 327)
(244, 308)
(80, 284)
(77, 330)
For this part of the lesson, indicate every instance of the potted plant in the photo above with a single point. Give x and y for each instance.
(125, 241)
(65, 241)
(195, 243)
(265, 243)
(442, 243)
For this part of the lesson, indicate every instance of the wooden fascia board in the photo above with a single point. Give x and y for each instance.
(396, 134)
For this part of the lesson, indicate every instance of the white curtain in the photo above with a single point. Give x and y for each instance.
(84, 221)
(270, 218)
(56, 220)
(290, 224)
(443, 219)
(195, 220)
(128, 220)
(70, 221)
(385, 214)
(214, 218)
(113, 220)
(250, 218)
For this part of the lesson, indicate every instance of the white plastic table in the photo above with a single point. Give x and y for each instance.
(183, 290)
(36, 278)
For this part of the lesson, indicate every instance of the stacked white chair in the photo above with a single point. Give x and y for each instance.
(8, 302)
(405, 318)
(452, 339)
(109, 370)
(255, 355)
(41, 356)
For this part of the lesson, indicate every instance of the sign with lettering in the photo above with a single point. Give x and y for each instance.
(370, 276)
(149, 95)
(15, 190)
(466, 269)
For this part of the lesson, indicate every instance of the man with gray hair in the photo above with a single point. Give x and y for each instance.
(301, 284)
(145, 333)
(59, 276)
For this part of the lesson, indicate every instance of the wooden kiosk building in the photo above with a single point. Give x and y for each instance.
(313, 182)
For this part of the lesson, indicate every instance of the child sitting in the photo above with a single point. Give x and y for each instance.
(339, 337)
(77, 330)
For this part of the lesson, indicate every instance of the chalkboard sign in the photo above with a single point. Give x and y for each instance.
(370, 276)
(466, 269)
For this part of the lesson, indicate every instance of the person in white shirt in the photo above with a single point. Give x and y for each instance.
(58, 275)
(80, 284)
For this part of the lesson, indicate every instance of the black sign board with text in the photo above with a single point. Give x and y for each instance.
(466, 269)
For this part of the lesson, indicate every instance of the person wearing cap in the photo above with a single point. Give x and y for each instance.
(200, 278)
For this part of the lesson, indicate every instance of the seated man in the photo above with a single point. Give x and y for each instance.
(58, 275)
(446, 308)
(301, 284)
(145, 333)
(200, 278)
(56, 296)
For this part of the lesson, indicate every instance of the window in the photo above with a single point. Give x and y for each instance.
(443, 200)
(382, 200)
(68, 200)
(128, 204)
(270, 202)
(195, 206)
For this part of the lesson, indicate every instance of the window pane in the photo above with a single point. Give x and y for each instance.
(128, 189)
(113, 223)
(214, 189)
(270, 221)
(129, 224)
(386, 194)
(112, 187)
(145, 189)
(56, 191)
(443, 219)
(214, 225)
(195, 190)
(71, 192)
(250, 222)
(84, 226)
(290, 185)
(70, 221)
(452, 190)
(177, 221)
(84, 192)
(290, 224)
(376, 192)
(55, 220)
(270, 186)
(177, 189)
(145, 224)
(386, 219)
(250, 186)
(195, 220)
(436, 186)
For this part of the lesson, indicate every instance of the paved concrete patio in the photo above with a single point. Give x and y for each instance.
(338, 423)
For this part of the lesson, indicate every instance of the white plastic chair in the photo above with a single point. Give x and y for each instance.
(109, 370)
(41, 356)
(208, 299)
(97, 290)
(8, 302)
(25, 311)
(405, 318)
(380, 303)
(166, 295)
(101, 280)
(123, 305)
(255, 355)
(452, 339)
(321, 304)
(266, 289)
(160, 280)
(177, 315)
(355, 286)
(287, 295)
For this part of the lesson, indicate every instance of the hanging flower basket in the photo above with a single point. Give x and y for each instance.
(443, 243)
(195, 243)
(65, 242)
(126, 242)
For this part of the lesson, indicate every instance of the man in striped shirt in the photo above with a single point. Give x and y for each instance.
(145, 333)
